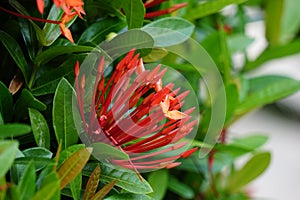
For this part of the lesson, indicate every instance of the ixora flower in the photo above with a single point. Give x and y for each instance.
(71, 8)
(133, 112)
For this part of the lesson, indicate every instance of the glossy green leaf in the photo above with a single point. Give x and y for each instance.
(25, 101)
(127, 196)
(41, 157)
(37, 152)
(13, 130)
(40, 128)
(8, 150)
(92, 184)
(15, 52)
(23, 11)
(75, 186)
(73, 166)
(55, 51)
(251, 170)
(104, 190)
(135, 12)
(267, 89)
(6, 103)
(98, 31)
(26, 186)
(159, 183)
(63, 122)
(29, 37)
(66, 153)
(209, 7)
(169, 31)
(105, 151)
(273, 14)
(155, 55)
(124, 42)
(47, 82)
(180, 188)
(52, 31)
(49, 188)
(127, 179)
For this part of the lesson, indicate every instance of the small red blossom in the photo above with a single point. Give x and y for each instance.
(139, 115)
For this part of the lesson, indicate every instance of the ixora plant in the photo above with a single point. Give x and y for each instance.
(133, 99)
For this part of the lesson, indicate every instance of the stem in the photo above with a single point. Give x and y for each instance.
(225, 52)
(211, 175)
(29, 17)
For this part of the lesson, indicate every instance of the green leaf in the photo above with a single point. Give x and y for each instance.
(23, 11)
(127, 196)
(73, 166)
(251, 170)
(127, 179)
(63, 122)
(209, 7)
(41, 157)
(251, 142)
(274, 52)
(124, 42)
(75, 186)
(267, 89)
(155, 55)
(5, 186)
(105, 151)
(290, 20)
(40, 128)
(13, 193)
(6, 103)
(104, 190)
(8, 150)
(26, 187)
(169, 31)
(66, 153)
(25, 101)
(15, 52)
(135, 12)
(47, 82)
(238, 42)
(52, 31)
(273, 15)
(49, 189)
(55, 51)
(180, 188)
(159, 183)
(29, 37)
(13, 130)
(92, 184)
(239, 147)
(232, 100)
(98, 31)
(39, 152)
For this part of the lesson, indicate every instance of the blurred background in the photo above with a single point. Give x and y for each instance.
(280, 121)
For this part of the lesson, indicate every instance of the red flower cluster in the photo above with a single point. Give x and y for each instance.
(71, 9)
(139, 115)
